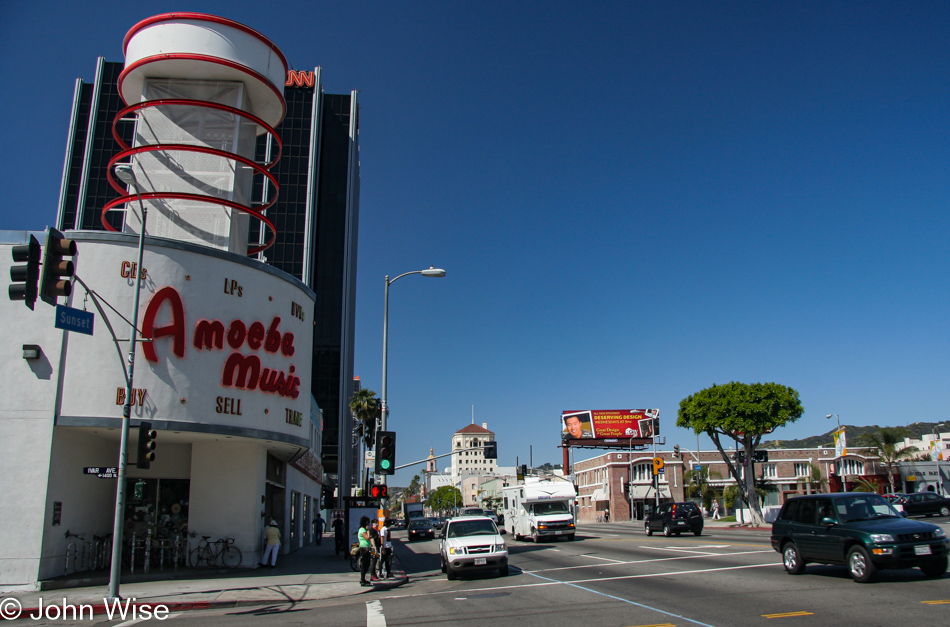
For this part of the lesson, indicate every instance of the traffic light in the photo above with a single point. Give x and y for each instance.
(379, 491)
(676, 451)
(24, 279)
(56, 270)
(147, 437)
(761, 456)
(491, 450)
(385, 452)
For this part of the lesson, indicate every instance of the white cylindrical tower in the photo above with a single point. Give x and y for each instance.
(200, 90)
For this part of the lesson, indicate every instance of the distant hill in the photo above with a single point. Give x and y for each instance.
(826, 440)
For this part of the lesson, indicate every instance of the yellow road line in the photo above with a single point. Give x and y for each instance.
(788, 614)
(942, 602)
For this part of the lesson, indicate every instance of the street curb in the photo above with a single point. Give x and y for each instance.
(99, 609)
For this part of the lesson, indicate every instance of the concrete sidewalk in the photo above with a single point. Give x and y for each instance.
(309, 574)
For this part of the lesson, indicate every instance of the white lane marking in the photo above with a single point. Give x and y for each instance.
(606, 559)
(676, 549)
(628, 601)
(554, 582)
(648, 561)
(374, 614)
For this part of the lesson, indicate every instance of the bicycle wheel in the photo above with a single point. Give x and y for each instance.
(355, 562)
(195, 557)
(231, 556)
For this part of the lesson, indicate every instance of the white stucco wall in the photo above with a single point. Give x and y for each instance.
(227, 486)
(27, 406)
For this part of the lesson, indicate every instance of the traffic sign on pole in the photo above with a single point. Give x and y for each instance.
(657, 465)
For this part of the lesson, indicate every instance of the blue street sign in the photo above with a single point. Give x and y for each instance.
(697, 467)
(74, 319)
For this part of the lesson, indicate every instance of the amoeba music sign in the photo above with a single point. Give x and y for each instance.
(230, 343)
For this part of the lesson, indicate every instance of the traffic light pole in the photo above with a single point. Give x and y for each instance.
(117, 527)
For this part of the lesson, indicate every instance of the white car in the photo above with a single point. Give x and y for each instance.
(470, 544)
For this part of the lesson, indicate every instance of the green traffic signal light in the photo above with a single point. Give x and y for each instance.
(385, 452)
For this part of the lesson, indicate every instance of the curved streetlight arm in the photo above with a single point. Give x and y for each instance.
(383, 407)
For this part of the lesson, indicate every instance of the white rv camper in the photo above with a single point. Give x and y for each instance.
(540, 509)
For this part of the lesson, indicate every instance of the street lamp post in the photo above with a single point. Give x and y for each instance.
(127, 176)
(943, 490)
(384, 408)
(838, 434)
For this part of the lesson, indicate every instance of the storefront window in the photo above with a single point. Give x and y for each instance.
(156, 505)
(294, 513)
(307, 525)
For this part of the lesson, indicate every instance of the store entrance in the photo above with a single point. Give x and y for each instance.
(159, 506)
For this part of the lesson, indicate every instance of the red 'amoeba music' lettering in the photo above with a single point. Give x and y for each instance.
(251, 376)
(210, 334)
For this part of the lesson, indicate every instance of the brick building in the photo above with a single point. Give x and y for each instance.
(602, 481)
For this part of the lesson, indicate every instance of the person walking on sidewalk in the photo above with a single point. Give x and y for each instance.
(376, 547)
(366, 548)
(715, 510)
(386, 550)
(272, 536)
(319, 525)
(339, 535)
(607, 515)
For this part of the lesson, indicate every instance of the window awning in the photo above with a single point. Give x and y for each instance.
(647, 491)
(599, 495)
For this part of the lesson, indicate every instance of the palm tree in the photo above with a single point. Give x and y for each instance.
(865, 484)
(813, 480)
(890, 450)
(366, 411)
(697, 484)
(413, 486)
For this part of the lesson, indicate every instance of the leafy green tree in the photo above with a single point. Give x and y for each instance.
(413, 486)
(492, 503)
(743, 412)
(889, 442)
(444, 498)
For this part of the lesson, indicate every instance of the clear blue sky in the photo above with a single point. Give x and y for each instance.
(633, 200)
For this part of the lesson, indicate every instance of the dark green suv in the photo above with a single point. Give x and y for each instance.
(858, 529)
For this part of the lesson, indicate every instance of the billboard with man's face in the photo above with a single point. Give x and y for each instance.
(602, 424)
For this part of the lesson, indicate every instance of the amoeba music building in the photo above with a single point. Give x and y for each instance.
(223, 365)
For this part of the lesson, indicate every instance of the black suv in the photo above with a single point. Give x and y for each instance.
(674, 518)
(858, 529)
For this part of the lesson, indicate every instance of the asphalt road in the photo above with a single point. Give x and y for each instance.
(615, 575)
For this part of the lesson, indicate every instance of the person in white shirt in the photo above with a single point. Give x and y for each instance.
(386, 554)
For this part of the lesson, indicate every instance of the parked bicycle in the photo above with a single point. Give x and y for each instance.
(103, 550)
(210, 553)
(82, 558)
